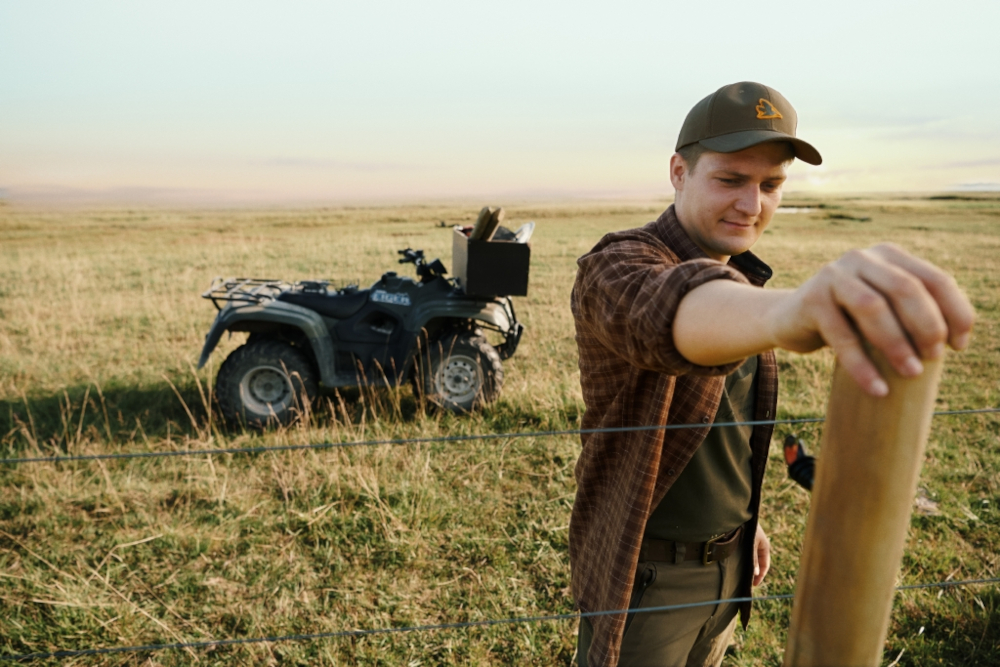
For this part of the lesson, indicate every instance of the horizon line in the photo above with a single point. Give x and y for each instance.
(156, 197)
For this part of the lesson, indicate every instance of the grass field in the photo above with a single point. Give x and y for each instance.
(101, 323)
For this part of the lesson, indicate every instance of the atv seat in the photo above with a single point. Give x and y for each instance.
(337, 306)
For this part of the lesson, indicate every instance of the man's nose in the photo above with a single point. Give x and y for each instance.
(748, 202)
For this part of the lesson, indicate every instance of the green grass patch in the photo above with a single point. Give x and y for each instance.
(101, 324)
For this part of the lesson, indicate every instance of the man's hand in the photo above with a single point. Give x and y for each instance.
(903, 306)
(761, 556)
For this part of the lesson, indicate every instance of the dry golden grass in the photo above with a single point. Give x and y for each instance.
(100, 322)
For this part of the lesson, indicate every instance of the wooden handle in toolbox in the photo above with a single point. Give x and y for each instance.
(486, 225)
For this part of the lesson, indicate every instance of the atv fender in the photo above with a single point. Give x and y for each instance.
(494, 314)
(278, 312)
(490, 312)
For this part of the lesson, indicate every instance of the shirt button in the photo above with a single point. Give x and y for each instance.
(704, 420)
(671, 472)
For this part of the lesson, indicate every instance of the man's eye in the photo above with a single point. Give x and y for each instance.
(730, 181)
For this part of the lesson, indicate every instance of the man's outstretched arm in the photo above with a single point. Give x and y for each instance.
(902, 305)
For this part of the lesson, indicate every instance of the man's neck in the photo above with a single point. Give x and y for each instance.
(695, 239)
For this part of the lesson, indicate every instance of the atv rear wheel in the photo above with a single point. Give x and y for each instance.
(460, 372)
(265, 382)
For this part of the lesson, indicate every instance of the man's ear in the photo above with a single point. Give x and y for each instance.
(678, 171)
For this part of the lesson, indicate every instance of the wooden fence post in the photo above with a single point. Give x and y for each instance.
(866, 479)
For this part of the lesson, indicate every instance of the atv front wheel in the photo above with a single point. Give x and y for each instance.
(265, 381)
(460, 372)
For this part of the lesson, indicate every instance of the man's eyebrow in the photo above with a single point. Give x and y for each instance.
(737, 174)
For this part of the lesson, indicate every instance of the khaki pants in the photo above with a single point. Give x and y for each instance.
(692, 637)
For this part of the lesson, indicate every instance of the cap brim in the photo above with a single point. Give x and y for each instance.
(737, 141)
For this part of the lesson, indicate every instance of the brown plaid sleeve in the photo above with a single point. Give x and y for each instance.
(626, 295)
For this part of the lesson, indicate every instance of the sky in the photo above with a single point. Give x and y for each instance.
(295, 102)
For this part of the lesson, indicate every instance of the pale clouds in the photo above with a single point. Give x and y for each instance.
(269, 101)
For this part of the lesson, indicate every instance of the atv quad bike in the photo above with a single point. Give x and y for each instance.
(306, 337)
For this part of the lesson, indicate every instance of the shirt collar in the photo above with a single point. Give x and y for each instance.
(669, 228)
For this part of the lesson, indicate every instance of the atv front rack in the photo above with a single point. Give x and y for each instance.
(246, 290)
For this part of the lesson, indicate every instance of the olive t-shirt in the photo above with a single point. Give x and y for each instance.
(712, 494)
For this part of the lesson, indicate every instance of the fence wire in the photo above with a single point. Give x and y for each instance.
(211, 643)
(432, 439)
(27, 657)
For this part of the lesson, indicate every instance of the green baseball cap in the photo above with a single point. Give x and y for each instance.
(742, 115)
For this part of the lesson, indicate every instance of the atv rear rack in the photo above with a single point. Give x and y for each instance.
(247, 290)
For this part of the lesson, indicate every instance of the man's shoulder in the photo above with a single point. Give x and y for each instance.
(652, 239)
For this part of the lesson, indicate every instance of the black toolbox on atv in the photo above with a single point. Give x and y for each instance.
(490, 268)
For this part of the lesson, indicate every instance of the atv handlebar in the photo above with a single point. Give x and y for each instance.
(426, 271)
(411, 256)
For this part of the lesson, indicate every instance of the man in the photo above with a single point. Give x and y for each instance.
(673, 328)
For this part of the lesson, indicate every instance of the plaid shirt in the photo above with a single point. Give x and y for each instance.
(626, 294)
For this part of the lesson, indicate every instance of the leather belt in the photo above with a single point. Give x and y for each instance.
(714, 550)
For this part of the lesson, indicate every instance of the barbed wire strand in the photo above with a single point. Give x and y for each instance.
(210, 643)
(431, 439)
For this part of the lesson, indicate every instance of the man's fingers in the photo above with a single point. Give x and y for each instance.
(912, 305)
(763, 563)
(951, 300)
(761, 556)
(878, 322)
(843, 339)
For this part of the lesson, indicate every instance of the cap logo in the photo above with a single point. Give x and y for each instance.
(766, 110)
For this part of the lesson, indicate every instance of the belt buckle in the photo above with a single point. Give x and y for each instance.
(706, 550)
